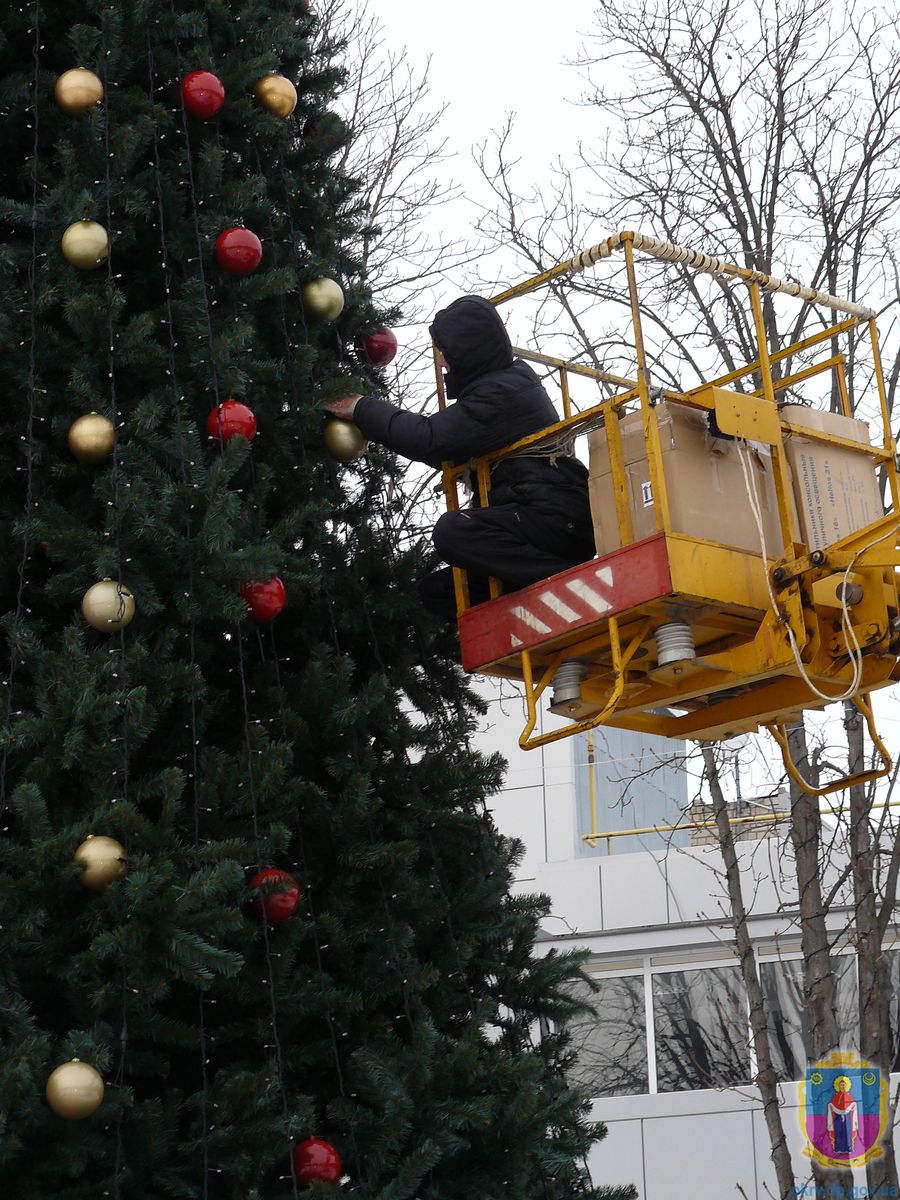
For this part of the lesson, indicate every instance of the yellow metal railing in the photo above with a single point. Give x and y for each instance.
(608, 411)
(784, 642)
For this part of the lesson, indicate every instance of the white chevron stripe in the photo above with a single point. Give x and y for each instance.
(592, 599)
(559, 606)
(528, 618)
(604, 575)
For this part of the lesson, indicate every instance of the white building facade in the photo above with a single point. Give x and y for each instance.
(669, 1057)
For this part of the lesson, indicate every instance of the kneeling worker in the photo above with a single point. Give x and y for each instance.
(539, 519)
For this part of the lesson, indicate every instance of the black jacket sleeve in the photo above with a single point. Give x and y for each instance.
(461, 431)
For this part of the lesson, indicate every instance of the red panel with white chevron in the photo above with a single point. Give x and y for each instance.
(565, 603)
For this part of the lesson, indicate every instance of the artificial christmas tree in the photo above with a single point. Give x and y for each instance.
(390, 1017)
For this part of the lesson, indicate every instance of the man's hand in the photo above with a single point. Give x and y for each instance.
(343, 407)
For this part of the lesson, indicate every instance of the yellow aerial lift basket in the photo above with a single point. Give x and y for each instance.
(686, 636)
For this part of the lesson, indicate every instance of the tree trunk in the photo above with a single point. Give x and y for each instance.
(765, 1077)
(874, 1014)
(819, 983)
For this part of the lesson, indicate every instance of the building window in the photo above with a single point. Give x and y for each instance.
(635, 781)
(789, 1041)
(701, 1026)
(611, 1045)
(786, 1016)
(892, 970)
(700, 1022)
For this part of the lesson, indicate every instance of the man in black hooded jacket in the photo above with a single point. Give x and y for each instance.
(539, 518)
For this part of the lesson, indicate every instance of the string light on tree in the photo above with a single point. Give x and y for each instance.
(316, 1161)
(323, 298)
(75, 1090)
(103, 860)
(238, 250)
(92, 438)
(78, 90)
(85, 244)
(265, 599)
(154, 340)
(108, 606)
(202, 94)
(379, 346)
(344, 440)
(277, 94)
(231, 419)
(279, 895)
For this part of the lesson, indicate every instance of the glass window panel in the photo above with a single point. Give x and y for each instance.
(844, 967)
(701, 1029)
(893, 983)
(611, 1046)
(639, 780)
(789, 1041)
(787, 1016)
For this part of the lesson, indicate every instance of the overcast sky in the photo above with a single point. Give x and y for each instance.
(490, 58)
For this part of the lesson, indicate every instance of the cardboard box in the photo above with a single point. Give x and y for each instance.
(836, 490)
(704, 481)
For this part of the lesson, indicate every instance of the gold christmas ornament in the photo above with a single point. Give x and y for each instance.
(92, 438)
(323, 298)
(108, 606)
(85, 244)
(103, 860)
(75, 1090)
(277, 94)
(344, 440)
(77, 90)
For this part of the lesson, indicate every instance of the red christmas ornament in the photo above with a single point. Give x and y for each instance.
(202, 94)
(264, 600)
(316, 1161)
(325, 131)
(279, 896)
(378, 347)
(231, 419)
(238, 250)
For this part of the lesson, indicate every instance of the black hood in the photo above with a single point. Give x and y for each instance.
(473, 340)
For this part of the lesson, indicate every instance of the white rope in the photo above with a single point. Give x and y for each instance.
(855, 653)
(700, 261)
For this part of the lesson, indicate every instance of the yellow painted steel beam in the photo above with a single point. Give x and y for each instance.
(776, 701)
(807, 343)
(564, 389)
(760, 818)
(705, 573)
(890, 444)
(606, 834)
(787, 513)
(832, 439)
(872, 546)
(779, 733)
(658, 483)
(810, 372)
(565, 430)
(620, 660)
(619, 478)
(564, 364)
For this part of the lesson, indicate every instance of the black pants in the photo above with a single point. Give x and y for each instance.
(507, 542)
